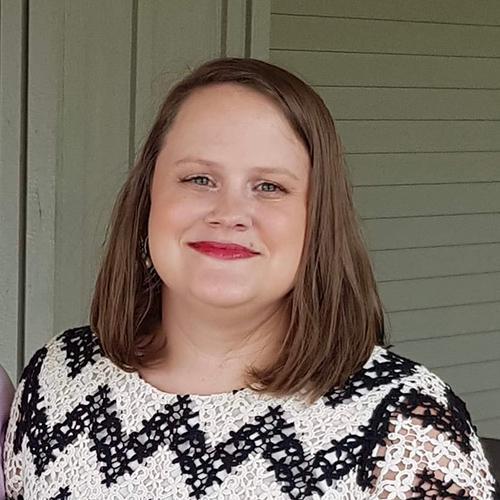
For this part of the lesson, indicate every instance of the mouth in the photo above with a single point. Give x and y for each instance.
(224, 251)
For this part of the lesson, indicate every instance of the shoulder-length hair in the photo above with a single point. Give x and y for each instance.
(334, 310)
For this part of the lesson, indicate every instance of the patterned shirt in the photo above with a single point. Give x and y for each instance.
(82, 428)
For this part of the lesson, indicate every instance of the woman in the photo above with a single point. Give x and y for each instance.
(6, 395)
(236, 339)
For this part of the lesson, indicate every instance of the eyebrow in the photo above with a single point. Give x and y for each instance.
(262, 170)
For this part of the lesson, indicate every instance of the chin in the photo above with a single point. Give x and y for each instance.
(222, 297)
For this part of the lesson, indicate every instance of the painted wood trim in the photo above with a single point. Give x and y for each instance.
(44, 114)
(234, 28)
(260, 29)
(13, 18)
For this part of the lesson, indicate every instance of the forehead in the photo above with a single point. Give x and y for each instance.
(233, 119)
(231, 96)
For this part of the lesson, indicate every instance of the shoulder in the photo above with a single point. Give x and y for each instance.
(57, 376)
(397, 407)
(413, 399)
(393, 388)
(411, 384)
(71, 351)
(412, 387)
(60, 373)
(398, 373)
(388, 373)
(417, 410)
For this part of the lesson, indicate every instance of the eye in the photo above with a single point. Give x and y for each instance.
(272, 184)
(189, 179)
(275, 188)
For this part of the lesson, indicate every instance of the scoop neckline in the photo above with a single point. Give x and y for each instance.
(201, 397)
(136, 376)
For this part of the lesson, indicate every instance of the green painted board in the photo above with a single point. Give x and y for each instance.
(483, 12)
(445, 321)
(292, 32)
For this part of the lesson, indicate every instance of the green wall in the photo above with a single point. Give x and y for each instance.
(414, 90)
(80, 82)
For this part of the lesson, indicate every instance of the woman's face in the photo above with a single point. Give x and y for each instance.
(221, 140)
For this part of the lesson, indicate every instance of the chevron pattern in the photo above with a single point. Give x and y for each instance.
(392, 368)
(81, 347)
(176, 426)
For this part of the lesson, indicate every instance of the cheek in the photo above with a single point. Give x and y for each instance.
(175, 212)
(166, 220)
(285, 228)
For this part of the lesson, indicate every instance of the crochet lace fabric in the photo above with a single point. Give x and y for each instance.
(81, 428)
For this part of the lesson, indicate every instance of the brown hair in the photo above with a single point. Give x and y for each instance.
(334, 310)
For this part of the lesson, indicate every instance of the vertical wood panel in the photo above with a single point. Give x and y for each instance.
(166, 49)
(78, 114)
(172, 38)
(234, 28)
(94, 153)
(12, 164)
(45, 78)
(260, 34)
(96, 74)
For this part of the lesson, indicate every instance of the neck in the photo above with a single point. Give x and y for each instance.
(209, 350)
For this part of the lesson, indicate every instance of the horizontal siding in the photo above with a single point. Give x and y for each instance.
(414, 89)
(440, 291)
(454, 321)
(378, 36)
(390, 70)
(440, 199)
(381, 136)
(410, 263)
(472, 378)
(433, 230)
(483, 405)
(423, 168)
(379, 103)
(444, 11)
(445, 352)
(488, 426)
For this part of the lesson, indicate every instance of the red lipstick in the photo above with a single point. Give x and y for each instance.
(223, 250)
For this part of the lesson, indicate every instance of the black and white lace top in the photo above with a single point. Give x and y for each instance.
(81, 428)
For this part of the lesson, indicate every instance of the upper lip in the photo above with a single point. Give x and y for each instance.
(225, 244)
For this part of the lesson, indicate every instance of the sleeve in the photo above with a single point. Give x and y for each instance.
(6, 395)
(431, 450)
(20, 420)
(13, 463)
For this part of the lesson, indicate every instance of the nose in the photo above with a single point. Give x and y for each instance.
(231, 209)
